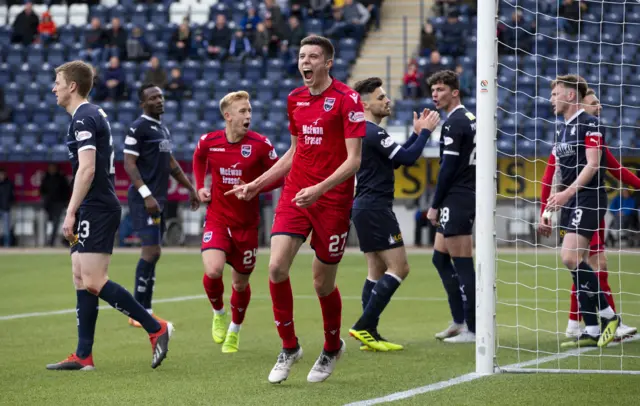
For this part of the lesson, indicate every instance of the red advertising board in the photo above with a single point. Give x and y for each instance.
(26, 177)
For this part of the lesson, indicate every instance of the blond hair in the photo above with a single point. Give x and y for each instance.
(79, 72)
(575, 82)
(227, 100)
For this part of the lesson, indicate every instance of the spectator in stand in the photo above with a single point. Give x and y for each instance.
(275, 38)
(338, 28)
(240, 46)
(373, 6)
(435, 65)
(427, 40)
(155, 74)
(5, 109)
(294, 36)
(198, 44)
(55, 192)
(466, 81)
(138, 48)
(261, 41)
(412, 80)
(99, 89)
(571, 12)
(523, 34)
(444, 7)
(623, 208)
(94, 41)
(219, 39)
(116, 41)
(356, 15)
(25, 27)
(114, 80)
(451, 38)
(6, 201)
(249, 22)
(47, 29)
(176, 88)
(269, 9)
(180, 48)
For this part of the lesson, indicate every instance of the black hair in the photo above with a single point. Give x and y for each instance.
(367, 86)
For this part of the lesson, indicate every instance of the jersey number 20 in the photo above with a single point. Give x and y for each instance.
(112, 168)
(472, 158)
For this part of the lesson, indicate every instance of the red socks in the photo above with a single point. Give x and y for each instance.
(239, 304)
(603, 278)
(282, 299)
(214, 289)
(332, 317)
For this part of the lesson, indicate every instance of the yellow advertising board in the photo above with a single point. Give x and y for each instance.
(519, 177)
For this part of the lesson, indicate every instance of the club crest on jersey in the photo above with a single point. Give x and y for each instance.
(246, 151)
(328, 103)
(207, 236)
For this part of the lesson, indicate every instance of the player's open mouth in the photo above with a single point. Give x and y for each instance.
(307, 73)
(245, 125)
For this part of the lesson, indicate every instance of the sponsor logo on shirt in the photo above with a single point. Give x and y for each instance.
(207, 236)
(246, 151)
(386, 142)
(130, 140)
(564, 150)
(83, 135)
(448, 140)
(356, 116)
(216, 149)
(303, 104)
(328, 103)
(354, 97)
(165, 146)
(273, 154)
(312, 130)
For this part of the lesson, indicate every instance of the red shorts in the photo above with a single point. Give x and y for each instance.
(597, 241)
(330, 227)
(240, 245)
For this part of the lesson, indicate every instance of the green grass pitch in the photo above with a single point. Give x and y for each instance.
(197, 373)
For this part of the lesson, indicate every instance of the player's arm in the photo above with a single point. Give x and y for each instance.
(547, 182)
(200, 170)
(593, 152)
(425, 124)
(178, 174)
(269, 159)
(348, 168)
(132, 143)
(85, 132)
(449, 165)
(279, 170)
(620, 172)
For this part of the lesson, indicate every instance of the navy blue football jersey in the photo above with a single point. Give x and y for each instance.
(375, 178)
(458, 137)
(90, 129)
(150, 141)
(572, 140)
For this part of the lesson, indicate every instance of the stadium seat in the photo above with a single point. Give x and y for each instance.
(31, 96)
(191, 112)
(67, 35)
(158, 15)
(29, 135)
(50, 134)
(15, 55)
(211, 69)
(140, 15)
(127, 112)
(59, 13)
(4, 13)
(78, 14)
(199, 13)
(8, 133)
(61, 119)
(253, 70)
(190, 71)
(202, 91)
(14, 10)
(119, 11)
(177, 12)
(35, 55)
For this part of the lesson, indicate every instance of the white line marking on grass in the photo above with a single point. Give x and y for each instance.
(473, 376)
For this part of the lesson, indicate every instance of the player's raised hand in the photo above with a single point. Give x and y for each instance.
(417, 117)
(67, 226)
(544, 226)
(557, 200)
(194, 200)
(426, 121)
(204, 195)
(151, 205)
(306, 197)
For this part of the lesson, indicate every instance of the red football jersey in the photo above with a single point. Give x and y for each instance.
(229, 163)
(322, 123)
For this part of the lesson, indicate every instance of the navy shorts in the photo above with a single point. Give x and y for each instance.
(457, 215)
(583, 215)
(377, 230)
(97, 231)
(150, 228)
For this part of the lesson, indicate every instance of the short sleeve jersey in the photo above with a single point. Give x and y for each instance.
(229, 163)
(90, 129)
(150, 142)
(376, 179)
(322, 123)
(458, 138)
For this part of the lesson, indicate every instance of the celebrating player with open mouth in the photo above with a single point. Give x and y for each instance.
(326, 121)
(234, 156)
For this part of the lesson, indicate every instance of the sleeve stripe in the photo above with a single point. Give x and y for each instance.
(395, 151)
(130, 152)
(86, 147)
(450, 153)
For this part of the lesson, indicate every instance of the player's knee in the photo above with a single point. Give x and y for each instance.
(570, 259)
(240, 285)
(151, 253)
(277, 271)
(323, 287)
(93, 283)
(401, 271)
(214, 271)
(440, 259)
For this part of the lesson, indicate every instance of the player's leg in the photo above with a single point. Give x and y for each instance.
(442, 261)
(460, 247)
(375, 269)
(330, 233)
(86, 317)
(243, 261)
(283, 250)
(214, 260)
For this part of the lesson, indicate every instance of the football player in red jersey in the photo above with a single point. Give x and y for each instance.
(233, 156)
(326, 121)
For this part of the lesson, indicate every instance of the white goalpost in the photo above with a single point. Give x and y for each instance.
(522, 287)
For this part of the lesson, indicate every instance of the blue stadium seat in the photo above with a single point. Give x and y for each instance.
(15, 55)
(180, 129)
(5, 73)
(191, 71)
(5, 34)
(160, 50)
(8, 133)
(253, 70)
(202, 91)
(232, 75)
(99, 11)
(190, 112)
(35, 55)
(118, 129)
(313, 26)
(67, 35)
(140, 16)
(131, 71)
(202, 127)
(159, 15)
(211, 110)
(61, 119)
(110, 109)
(51, 134)
(29, 135)
(31, 96)
(152, 34)
(21, 114)
(42, 114)
(211, 70)
(17, 153)
(127, 112)
(119, 11)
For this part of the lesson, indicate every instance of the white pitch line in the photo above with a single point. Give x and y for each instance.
(264, 297)
(473, 376)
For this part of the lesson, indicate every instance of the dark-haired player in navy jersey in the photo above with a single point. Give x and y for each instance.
(149, 163)
(455, 202)
(94, 199)
(377, 227)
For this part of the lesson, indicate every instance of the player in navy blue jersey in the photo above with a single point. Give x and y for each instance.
(582, 204)
(94, 199)
(377, 227)
(454, 201)
(149, 163)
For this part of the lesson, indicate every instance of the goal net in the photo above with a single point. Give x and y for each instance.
(536, 41)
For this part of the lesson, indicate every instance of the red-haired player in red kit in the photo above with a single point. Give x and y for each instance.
(234, 156)
(326, 121)
(597, 257)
